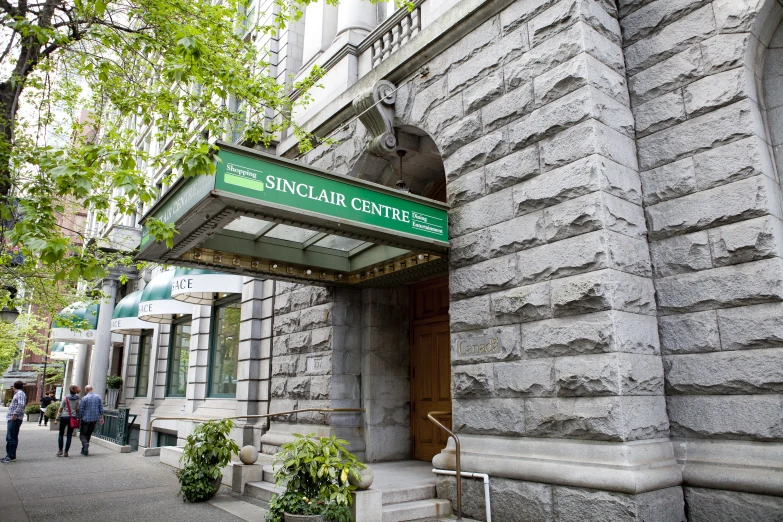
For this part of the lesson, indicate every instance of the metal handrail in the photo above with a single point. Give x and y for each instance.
(266, 415)
(431, 416)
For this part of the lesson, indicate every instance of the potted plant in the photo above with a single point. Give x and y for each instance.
(51, 414)
(208, 449)
(33, 412)
(315, 472)
(113, 385)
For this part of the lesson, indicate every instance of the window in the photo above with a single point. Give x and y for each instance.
(166, 439)
(143, 364)
(224, 349)
(179, 354)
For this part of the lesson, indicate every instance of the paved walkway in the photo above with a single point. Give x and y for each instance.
(104, 486)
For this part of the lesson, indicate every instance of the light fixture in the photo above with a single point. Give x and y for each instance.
(401, 183)
(9, 315)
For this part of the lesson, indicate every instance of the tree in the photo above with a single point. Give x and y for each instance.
(89, 85)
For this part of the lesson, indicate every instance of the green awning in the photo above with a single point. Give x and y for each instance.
(76, 323)
(262, 215)
(156, 304)
(125, 319)
(199, 286)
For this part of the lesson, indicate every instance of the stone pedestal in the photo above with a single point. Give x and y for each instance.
(367, 506)
(241, 474)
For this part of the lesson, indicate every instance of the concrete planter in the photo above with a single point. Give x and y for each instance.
(111, 398)
(303, 518)
(33, 417)
(53, 426)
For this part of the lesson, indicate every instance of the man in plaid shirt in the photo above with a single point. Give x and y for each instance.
(14, 418)
(91, 408)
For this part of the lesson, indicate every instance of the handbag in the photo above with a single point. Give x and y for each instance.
(74, 422)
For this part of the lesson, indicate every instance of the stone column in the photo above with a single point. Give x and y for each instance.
(320, 28)
(255, 351)
(198, 366)
(67, 376)
(148, 408)
(99, 366)
(80, 368)
(356, 15)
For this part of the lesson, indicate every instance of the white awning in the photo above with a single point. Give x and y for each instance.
(198, 286)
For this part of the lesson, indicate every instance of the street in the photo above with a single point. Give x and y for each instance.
(104, 486)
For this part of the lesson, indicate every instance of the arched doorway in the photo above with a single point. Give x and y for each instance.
(415, 166)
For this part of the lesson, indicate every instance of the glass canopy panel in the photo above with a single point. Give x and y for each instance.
(289, 233)
(248, 225)
(343, 244)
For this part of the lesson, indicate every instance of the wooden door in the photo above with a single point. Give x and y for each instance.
(430, 367)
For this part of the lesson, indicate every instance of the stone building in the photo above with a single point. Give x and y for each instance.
(605, 321)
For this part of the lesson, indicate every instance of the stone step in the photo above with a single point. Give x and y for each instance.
(409, 494)
(262, 490)
(269, 473)
(417, 510)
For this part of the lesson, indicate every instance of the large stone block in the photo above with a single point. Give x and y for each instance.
(750, 327)
(529, 378)
(505, 109)
(711, 505)
(466, 188)
(737, 160)
(681, 254)
(460, 133)
(746, 241)
(489, 416)
(427, 98)
(590, 505)
(608, 374)
(563, 14)
(508, 345)
(688, 333)
(486, 149)
(470, 313)
(571, 256)
(512, 169)
(511, 500)
(519, 13)
(738, 201)
(544, 57)
(671, 39)
(572, 109)
(482, 213)
(472, 381)
(483, 278)
(736, 285)
(716, 91)
(602, 290)
(719, 373)
(589, 137)
(597, 418)
(659, 113)
(575, 74)
(651, 16)
(574, 217)
(481, 93)
(748, 417)
(592, 333)
(663, 77)
(516, 234)
(697, 135)
(522, 304)
(468, 249)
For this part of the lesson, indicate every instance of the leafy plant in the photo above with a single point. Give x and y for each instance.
(206, 450)
(113, 382)
(51, 410)
(315, 472)
(32, 409)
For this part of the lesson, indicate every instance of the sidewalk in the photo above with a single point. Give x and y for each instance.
(104, 486)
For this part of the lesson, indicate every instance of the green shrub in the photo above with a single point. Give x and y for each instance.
(113, 382)
(206, 450)
(316, 471)
(32, 409)
(51, 410)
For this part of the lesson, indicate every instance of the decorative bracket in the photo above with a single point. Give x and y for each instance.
(375, 109)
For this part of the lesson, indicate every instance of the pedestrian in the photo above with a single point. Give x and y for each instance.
(14, 418)
(46, 400)
(68, 416)
(92, 413)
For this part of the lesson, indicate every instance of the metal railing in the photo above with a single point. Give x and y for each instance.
(116, 426)
(265, 416)
(431, 416)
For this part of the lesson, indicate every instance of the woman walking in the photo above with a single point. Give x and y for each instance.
(68, 417)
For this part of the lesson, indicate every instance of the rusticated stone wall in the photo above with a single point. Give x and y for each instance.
(713, 205)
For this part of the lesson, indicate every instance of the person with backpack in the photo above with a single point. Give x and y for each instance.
(68, 417)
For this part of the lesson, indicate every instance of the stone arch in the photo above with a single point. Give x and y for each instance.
(767, 67)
